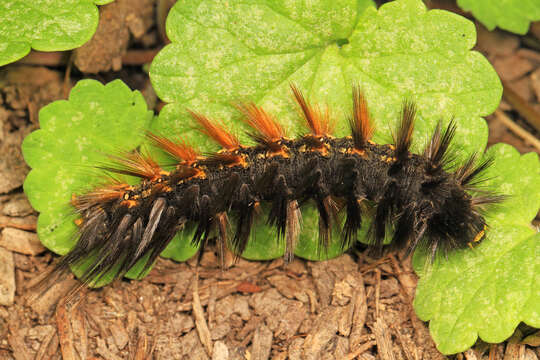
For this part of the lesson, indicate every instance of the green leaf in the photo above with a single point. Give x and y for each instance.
(74, 137)
(488, 291)
(264, 243)
(180, 248)
(45, 25)
(136, 271)
(218, 55)
(511, 15)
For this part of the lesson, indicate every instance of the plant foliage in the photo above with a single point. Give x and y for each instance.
(73, 138)
(511, 15)
(488, 290)
(45, 25)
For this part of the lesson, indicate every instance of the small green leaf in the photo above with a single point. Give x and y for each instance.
(489, 290)
(218, 55)
(511, 15)
(74, 137)
(45, 25)
(180, 248)
(264, 243)
(136, 271)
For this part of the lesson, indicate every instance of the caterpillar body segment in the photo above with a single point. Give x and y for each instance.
(413, 196)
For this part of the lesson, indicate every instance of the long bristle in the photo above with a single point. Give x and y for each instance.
(268, 130)
(222, 224)
(360, 122)
(403, 138)
(178, 149)
(244, 221)
(293, 225)
(221, 159)
(216, 132)
(353, 222)
(436, 152)
(101, 195)
(317, 120)
(134, 164)
(470, 173)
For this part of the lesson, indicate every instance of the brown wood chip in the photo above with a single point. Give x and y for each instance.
(261, 343)
(324, 330)
(42, 351)
(65, 332)
(104, 351)
(142, 346)
(384, 341)
(42, 304)
(78, 323)
(408, 348)
(7, 277)
(119, 334)
(514, 351)
(16, 341)
(220, 352)
(200, 321)
(360, 313)
(20, 241)
(360, 350)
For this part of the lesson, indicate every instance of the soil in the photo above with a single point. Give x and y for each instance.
(351, 307)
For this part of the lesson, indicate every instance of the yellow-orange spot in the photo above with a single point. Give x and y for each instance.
(480, 235)
(283, 152)
(371, 142)
(319, 145)
(359, 152)
(129, 203)
(157, 188)
(78, 222)
(388, 159)
(257, 207)
(200, 174)
(238, 160)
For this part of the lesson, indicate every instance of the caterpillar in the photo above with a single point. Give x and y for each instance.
(413, 196)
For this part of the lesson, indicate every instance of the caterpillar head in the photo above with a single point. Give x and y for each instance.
(453, 210)
(451, 218)
(429, 207)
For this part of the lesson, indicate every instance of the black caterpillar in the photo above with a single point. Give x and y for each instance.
(424, 204)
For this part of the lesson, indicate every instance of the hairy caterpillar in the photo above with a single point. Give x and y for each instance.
(425, 205)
